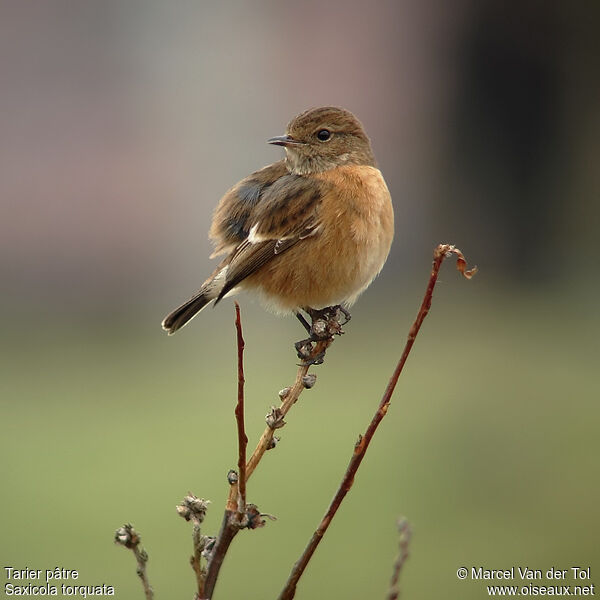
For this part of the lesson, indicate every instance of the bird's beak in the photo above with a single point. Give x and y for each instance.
(284, 140)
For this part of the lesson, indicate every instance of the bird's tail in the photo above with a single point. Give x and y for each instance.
(209, 291)
(187, 311)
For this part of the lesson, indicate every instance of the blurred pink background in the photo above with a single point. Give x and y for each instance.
(122, 124)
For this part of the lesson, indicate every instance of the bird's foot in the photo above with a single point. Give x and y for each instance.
(326, 323)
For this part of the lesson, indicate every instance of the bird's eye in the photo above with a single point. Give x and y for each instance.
(324, 135)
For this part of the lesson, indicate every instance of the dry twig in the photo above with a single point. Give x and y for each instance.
(128, 537)
(194, 509)
(440, 253)
(239, 416)
(404, 533)
(275, 420)
(239, 514)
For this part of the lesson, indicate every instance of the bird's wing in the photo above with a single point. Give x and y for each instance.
(286, 212)
(233, 216)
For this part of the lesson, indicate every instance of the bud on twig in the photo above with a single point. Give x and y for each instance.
(127, 536)
(275, 418)
(309, 380)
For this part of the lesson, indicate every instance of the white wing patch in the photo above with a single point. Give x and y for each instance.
(310, 231)
(253, 237)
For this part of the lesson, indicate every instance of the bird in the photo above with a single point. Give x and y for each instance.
(308, 232)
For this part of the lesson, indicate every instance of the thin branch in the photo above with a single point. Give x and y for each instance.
(230, 525)
(404, 535)
(441, 252)
(128, 537)
(196, 558)
(193, 509)
(229, 529)
(239, 416)
(275, 419)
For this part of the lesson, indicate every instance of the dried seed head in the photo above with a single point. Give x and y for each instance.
(320, 329)
(273, 442)
(275, 418)
(127, 536)
(309, 380)
(255, 519)
(193, 508)
(304, 349)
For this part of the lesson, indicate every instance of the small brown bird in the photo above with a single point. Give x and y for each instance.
(307, 232)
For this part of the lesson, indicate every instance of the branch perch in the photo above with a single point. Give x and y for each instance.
(440, 253)
(238, 513)
(231, 523)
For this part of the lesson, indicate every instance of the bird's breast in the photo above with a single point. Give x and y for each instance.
(358, 211)
(356, 231)
(348, 249)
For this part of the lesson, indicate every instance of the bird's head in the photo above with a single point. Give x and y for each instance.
(324, 138)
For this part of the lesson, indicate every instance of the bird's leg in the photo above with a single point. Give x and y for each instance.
(304, 348)
(302, 320)
(326, 323)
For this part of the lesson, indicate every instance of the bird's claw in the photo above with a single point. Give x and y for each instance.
(326, 323)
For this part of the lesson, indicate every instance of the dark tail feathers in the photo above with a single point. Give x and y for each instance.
(180, 316)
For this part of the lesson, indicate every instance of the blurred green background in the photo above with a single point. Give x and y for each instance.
(123, 123)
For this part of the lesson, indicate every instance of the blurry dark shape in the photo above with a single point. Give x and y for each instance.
(507, 144)
(404, 536)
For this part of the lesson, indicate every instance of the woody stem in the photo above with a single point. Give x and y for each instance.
(440, 253)
(230, 525)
